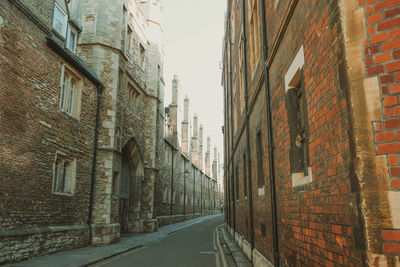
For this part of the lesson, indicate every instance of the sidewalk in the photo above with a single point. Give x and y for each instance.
(90, 255)
(231, 254)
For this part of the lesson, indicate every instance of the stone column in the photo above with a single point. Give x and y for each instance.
(201, 147)
(185, 127)
(208, 160)
(194, 144)
(173, 110)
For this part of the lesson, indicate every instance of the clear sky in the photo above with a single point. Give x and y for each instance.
(193, 44)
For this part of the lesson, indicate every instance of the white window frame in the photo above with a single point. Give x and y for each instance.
(70, 95)
(64, 23)
(68, 173)
(68, 41)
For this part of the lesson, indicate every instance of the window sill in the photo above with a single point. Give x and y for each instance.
(299, 179)
(63, 194)
(261, 191)
(70, 116)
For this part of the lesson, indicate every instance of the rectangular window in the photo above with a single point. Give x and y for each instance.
(244, 176)
(142, 54)
(60, 20)
(71, 39)
(70, 93)
(129, 40)
(260, 160)
(298, 128)
(64, 174)
(133, 99)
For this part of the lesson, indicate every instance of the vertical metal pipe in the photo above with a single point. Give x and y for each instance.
(270, 139)
(247, 125)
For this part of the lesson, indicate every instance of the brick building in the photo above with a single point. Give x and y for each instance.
(312, 131)
(49, 102)
(83, 149)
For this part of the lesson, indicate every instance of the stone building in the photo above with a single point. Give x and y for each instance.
(184, 190)
(49, 100)
(83, 152)
(312, 130)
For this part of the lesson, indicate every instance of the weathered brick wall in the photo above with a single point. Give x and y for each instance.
(382, 64)
(34, 220)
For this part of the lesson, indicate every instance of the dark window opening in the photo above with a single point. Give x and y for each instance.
(244, 176)
(237, 183)
(298, 128)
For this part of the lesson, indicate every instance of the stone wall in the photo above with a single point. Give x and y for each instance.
(34, 219)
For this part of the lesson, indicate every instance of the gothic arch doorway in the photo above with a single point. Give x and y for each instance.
(132, 171)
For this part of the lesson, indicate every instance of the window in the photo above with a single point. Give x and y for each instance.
(173, 196)
(64, 174)
(70, 93)
(165, 195)
(254, 38)
(244, 176)
(133, 99)
(129, 40)
(142, 55)
(296, 107)
(241, 77)
(72, 37)
(60, 20)
(260, 167)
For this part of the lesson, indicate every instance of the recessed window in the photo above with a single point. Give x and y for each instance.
(260, 167)
(142, 55)
(72, 39)
(134, 98)
(64, 174)
(296, 106)
(70, 93)
(165, 195)
(60, 20)
(237, 183)
(129, 40)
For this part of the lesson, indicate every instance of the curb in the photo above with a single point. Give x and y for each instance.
(228, 250)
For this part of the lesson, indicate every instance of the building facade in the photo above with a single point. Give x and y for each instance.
(84, 157)
(312, 131)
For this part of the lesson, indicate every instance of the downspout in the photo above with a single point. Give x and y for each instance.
(201, 194)
(247, 126)
(270, 139)
(194, 189)
(94, 162)
(172, 179)
(232, 118)
(227, 203)
(184, 189)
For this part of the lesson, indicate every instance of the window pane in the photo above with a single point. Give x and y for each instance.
(71, 42)
(71, 98)
(59, 20)
(63, 89)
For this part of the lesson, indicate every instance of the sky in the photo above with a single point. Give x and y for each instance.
(193, 34)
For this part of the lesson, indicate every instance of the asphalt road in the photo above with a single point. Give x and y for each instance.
(193, 246)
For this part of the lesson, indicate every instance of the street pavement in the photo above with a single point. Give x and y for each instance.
(194, 246)
(91, 255)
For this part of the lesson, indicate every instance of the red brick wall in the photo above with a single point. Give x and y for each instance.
(382, 60)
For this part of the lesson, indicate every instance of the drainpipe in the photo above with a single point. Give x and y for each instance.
(201, 194)
(270, 139)
(226, 184)
(247, 126)
(232, 118)
(94, 162)
(184, 189)
(172, 180)
(194, 189)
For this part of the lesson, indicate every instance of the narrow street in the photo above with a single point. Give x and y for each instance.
(192, 246)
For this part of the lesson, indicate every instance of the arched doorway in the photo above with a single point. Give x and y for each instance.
(131, 179)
